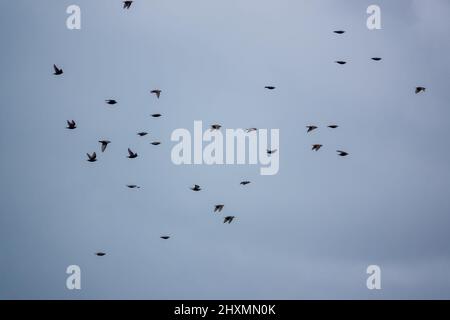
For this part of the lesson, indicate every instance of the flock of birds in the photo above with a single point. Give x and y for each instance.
(71, 125)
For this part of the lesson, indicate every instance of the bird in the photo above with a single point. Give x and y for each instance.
(316, 147)
(342, 153)
(311, 128)
(341, 62)
(131, 154)
(196, 187)
(156, 115)
(333, 126)
(228, 219)
(141, 134)
(270, 87)
(155, 143)
(58, 71)
(100, 254)
(420, 89)
(165, 237)
(218, 207)
(250, 130)
(215, 127)
(376, 59)
(244, 182)
(71, 124)
(133, 186)
(339, 31)
(269, 152)
(127, 4)
(104, 144)
(156, 92)
(111, 101)
(92, 158)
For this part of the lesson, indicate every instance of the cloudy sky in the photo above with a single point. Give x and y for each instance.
(308, 232)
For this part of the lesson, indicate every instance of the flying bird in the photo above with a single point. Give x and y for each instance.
(155, 143)
(215, 127)
(196, 187)
(111, 101)
(104, 144)
(218, 207)
(316, 147)
(71, 124)
(228, 219)
(92, 158)
(342, 153)
(420, 89)
(341, 62)
(141, 134)
(244, 182)
(165, 237)
(269, 87)
(133, 186)
(311, 128)
(376, 59)
(156, 92)
(250, 130)
(333, 126)
(131, 154)
(100, 254)
(339, 31)
(127, 4)
(271, 151)
(156, 115)
(58, 71)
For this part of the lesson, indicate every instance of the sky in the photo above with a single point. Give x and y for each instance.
(308, 232)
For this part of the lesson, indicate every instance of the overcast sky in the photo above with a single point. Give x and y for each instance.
(308, 232)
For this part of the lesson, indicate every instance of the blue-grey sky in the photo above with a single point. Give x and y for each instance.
(308, 232)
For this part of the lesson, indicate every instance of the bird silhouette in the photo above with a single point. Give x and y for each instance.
(196, 187)
(339, 31)
(141, 134)
(104, 144)
(316, 147)
(156, 115)
(165, 237)
(155, 143)
(250, 130)
(342, 153)
(376, 59)
(270, 87)
(340, 62)
(71, 124)
(131, 154)
(100, 254)
(228, 219)
(111, 101)
(133, 186)
(333, 126)
(269, 152)
(311, 128)
(244, 183)
(218, 207)
(57, 71)
(420, 89)
(127, 4)
(215, 127)
(156, 92)
(92, 158)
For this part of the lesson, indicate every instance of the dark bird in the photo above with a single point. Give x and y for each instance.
(196, 187)
(339, 31)
(218, 207)
(376, 59)
(104, 144)
(156, 92)
(127, 4)
(269, 87)
(215, 127)
(271, 151)
(165, 237)
(155, 143)
(133, 186)
(245, 182)
(92, 158)
(156, 115)
(316, 147)
(100, 254)
(333, 126)
(342, 153)
(341, 62)
(420, 89)
(111, 101)
(141, 134)
(57, 70)
(228, 219)
(131, 154)
(71, 124)
(311, 128)
(250, 130)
